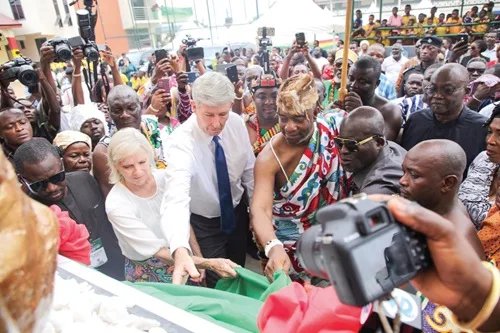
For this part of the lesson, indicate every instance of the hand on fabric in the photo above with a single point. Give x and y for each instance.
(223, 267)
(202, 277)
(184, 267)
(458, 280)
(278, 259)
(352, 101)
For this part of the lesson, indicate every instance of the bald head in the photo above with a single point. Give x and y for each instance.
(447, 157)
(365, 120)
(377, 51)
(450, 72)
(121, 92)
(433, 172)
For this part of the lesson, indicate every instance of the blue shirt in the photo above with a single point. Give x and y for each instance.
(386, 88)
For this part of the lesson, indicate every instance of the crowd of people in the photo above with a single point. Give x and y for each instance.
(176, 180)
(473, 23)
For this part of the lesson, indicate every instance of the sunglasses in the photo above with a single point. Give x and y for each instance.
(353, 145)
(472, 70)
(41, 185)
(445, 91)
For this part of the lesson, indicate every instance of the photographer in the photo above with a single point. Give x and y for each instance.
(285, 69)
(178, 86)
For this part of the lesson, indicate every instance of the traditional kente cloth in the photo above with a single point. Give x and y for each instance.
(437, 319)
(250, 109)
(151, 129)
(317, 181)
(489, 234)
(263, 137)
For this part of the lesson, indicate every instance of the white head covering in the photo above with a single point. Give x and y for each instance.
(82, 113)
(66, 138)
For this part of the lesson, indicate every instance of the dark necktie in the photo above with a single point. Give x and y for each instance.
(227, 219)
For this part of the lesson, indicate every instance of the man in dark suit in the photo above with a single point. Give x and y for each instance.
(41, 172)
(375, 163)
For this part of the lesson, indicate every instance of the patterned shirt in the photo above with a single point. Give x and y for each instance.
(386, 88)
(410, 105)
(475, 190)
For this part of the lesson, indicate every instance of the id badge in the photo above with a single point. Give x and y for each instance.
(97, 254)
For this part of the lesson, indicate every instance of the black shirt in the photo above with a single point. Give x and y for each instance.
(467, 130)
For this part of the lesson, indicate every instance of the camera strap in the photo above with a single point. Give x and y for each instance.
(87, 83)
(396, 324)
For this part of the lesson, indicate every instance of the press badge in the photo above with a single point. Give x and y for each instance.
(97, 254)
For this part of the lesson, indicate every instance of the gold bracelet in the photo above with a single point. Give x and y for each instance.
(490, 303)
(153, 109)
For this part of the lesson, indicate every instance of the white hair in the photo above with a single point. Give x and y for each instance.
(213, 89)
(125, 143)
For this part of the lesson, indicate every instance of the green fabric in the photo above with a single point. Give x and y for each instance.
(234, 304)
(254, 285)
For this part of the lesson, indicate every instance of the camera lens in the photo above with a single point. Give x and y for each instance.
(27, 76)
(308, 251)
(91, 53)
(63, 52)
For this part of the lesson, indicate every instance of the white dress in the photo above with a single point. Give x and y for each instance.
(136, 220)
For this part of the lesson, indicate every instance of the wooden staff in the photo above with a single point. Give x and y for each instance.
(345, 58)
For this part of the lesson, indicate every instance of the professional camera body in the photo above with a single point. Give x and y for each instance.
(62, 49)
(86, 24)
(362, 249)
(19, 69)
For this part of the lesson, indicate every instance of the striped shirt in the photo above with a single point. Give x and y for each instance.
(410, 105)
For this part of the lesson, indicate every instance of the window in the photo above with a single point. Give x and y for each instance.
(67, 20)
(17, 9)
(21, 44)
(59, 21)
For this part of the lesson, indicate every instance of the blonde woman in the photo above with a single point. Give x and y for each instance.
(133, 208)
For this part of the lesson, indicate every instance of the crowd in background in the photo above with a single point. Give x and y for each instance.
(155, 164)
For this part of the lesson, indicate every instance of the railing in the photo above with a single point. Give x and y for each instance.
(139, 13)
(425, 27)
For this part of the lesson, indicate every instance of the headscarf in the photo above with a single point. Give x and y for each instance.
(82, 113)
(66, 138)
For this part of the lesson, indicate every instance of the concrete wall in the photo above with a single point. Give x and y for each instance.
(110, 26)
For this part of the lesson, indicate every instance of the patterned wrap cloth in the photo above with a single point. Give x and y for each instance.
(317, 181)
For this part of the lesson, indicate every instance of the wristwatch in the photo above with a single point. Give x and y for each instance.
(270, 244)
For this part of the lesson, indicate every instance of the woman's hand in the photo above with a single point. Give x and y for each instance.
(223, 267)
(183, 267)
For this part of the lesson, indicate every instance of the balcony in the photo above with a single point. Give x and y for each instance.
(145, 15)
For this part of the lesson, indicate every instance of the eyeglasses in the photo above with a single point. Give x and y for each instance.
(42, 184)
(353, 145)
(445, 91)
(479, 70)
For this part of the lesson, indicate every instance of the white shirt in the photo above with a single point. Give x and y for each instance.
(391, 67)
(321, 62)
(492, 54)
(136, 220)
(192, 177)
(488, 110)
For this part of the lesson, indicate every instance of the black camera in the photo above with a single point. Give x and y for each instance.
(264, 41)
(19, 69)
(189, 41)
(86, 23)
(362, 250)
(61, 48)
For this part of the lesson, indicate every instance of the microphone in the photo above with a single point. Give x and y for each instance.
(410, 310)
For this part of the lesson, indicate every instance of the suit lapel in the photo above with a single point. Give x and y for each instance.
(70, 205)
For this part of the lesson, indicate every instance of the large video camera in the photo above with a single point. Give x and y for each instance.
(264, 41)
(19, 69)
(193, 53)
(362, 250)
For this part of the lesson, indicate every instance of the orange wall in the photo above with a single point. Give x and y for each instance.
(116, 37)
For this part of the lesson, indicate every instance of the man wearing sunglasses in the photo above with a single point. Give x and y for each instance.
(448, 117)
(374, 162)
(41, 172)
